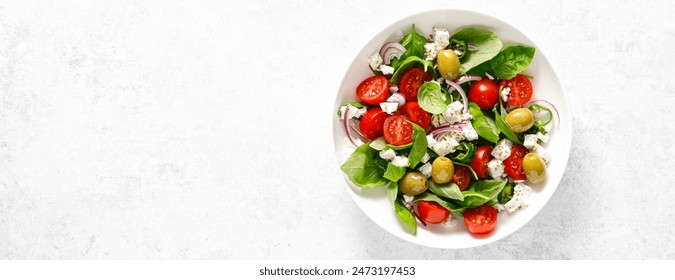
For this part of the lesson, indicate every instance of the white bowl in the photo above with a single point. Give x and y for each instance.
(374, 202)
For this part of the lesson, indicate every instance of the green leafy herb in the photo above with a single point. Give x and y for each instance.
(484, 126)
(481, 191)
(448, 190)
(392, 192)
(454, 208)
(413, 43)
(419, 145)
(459, 44)
(481, 69)
(412, 62)
(465, 152)
(431, 98)
(365, 168)
(486, 43)
(504, 128)
(506, 194)
(393, 172)
(405, 216)
(512, 60)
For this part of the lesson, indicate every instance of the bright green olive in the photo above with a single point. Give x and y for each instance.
(520, 120)
(413, 183)
(534, 167)
(442, 170)
(448, 64)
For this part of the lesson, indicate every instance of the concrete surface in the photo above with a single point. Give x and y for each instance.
(200, 130)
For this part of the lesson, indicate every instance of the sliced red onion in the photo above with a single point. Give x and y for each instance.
(358, 131)
(398, 98)
(345, 123)
(468, 78)
(391, 50)
(442, 130)
(465, 101)
(393, 89)
(471, 47)
(548, 104)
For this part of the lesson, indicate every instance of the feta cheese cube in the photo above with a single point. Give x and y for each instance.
(505, 93)
(426, 169)
(353, 111)
(519, 201)
(502, 150)
(400, 161)
(375, 60)
(530, 141)
(470, 133)
(446, 146)
(495, 168)
(543, 137)
(441, 37)
(389, 107)
(425, 158)
(386, 69)
(430, 51)
(455, 107)
(542, 152)
(387, 154)
(430, 141)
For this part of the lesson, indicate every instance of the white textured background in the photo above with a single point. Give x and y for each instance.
(201, 129)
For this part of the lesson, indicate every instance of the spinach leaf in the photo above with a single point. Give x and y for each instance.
(405, 216)
(393, 172)
(481, 69)
(365, 168)
(465, 152)
(355, 104)
(431, 99)
(454, 208)
(512, 60)
(448, 190)
(506, 194)
(481, 191)
(485, 127)
(419, 145)
(504, 128)
(412, 62)
(413, 43)
(487, 46)
(392, 192)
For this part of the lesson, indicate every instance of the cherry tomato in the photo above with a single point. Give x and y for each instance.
(462, 177)
(480, 220)
(432, 212)
(411, 81)
(513, 165)
(416, 114)
(485, 93)
(373, 90)
(480, 161)
(521, 90)
(372, 123)
(397, 130)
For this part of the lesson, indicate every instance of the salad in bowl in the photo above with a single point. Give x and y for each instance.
(451, 125)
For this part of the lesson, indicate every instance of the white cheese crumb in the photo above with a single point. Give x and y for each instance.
(400, 161)
(519, 201)
(375, 60)
(386, 69)
(502, 150)
(445, 146)
(425, 158)
(495, 168)
(430, 141)
(441, 37)
(426, 169)
(430, 51)
(505, 93)
(408, 198)
(389, 107)
(353, 111)
(542, 152)
(388, 154)
(470, 133)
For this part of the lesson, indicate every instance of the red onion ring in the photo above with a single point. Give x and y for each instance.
(440, 131)
(391, 50)
(468, 78)
(345, 123)
(393, 89)
(465, 101)
(549, 104)
(398, 98)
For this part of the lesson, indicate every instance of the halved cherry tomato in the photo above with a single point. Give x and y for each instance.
(521, 90)
(397, 130)
(480, 161)
(462, 177)
(485, 93)
(432, 212)
(480, 220)
(513, 165)
(372, 123)
(416, 114)
(411, 81)
(373, 90)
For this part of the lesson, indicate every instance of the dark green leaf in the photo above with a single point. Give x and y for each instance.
(428, 196)
(365, 168)
(412, 62)
(419, 145)
(393, 172)
(506, 194)
(481, 69)
(487, 46)
(504, 128)
(484, 126)
(407, 218)
(512, 60)
(431, 98)
(448, 190)
(465, 152)
(413, 43)
(481, 191)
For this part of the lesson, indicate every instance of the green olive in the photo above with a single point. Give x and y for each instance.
(520, 120)
(534, 167)
(413, 183)
(442, 170)
(448, 64)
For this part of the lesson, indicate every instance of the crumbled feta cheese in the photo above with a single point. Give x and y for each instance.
(430, 51)
(505, 93)
(470, 133)
(387, 154)
(519, 201)
(542, 152)
(400, 161)
(408, 198)
(452, 114)
(375, 60)
(389, 107)
(441, 37)
(499, 207)
(457, 135)
(531, 140)
(425, 158)
(495, 168)
(502, 150)
(446, 146)
(426, 169)
(430, 141)
(353, 111)
(386, 69)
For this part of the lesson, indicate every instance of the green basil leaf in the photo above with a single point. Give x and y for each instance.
(481, 191)
(413, 43)
(412, 62)
(365, 168)
(449, 190)
(485, 127)
(407, 218)
(392, 192)
(487, 46)
(431, 98)
(454, 208)
(506, 194)
(393, 172)
(482, 69)
(419, 145)
(512, 60)
(505, 129)
(465, 152)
